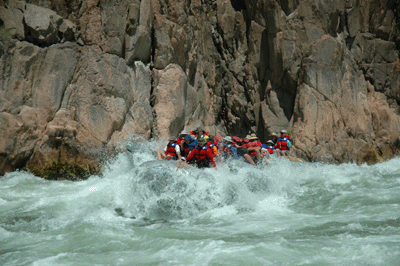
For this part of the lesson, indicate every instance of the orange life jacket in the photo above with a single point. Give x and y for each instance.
(213, 148)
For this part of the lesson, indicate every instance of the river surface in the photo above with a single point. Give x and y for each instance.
(285, 213)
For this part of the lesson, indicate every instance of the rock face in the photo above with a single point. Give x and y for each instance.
(78, 78)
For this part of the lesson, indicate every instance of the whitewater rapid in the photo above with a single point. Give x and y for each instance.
(285, 213)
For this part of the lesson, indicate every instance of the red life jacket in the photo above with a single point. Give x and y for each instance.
(201, 154)
(253, 144)
(282, 144)
(237, 139)
(270, 149)
(171, 149)
(224, 148)
(267, 149)
(187, 151)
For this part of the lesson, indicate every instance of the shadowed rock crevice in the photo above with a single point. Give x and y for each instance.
(288, 6)
(287, 94)
(154, 131)
(239, 5)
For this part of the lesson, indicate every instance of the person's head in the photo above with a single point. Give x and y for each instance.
(183, 133)
(228, 139)
(172, 139)
(202, 142)
(274, 135)
(270, 142)
(283, 132)
(253, 137)
(188, 139)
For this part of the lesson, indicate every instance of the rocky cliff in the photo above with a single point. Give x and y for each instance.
(79, 77)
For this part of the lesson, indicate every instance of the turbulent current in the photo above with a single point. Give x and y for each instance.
(145, 212)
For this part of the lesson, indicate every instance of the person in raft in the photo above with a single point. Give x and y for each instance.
(199, 133)
(274, 138)
(283, 144)
(202, 134)
(201, 155)
(213, 146)
(229, 148)
(171, 152)
(240, 145)
(188, 145)
(254, 148)
(268, 149)
(181, 142)
(181, 138)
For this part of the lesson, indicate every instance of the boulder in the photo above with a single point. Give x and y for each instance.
(11, 26)
(42, 24)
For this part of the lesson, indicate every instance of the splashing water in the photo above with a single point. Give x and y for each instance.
(147, 212)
